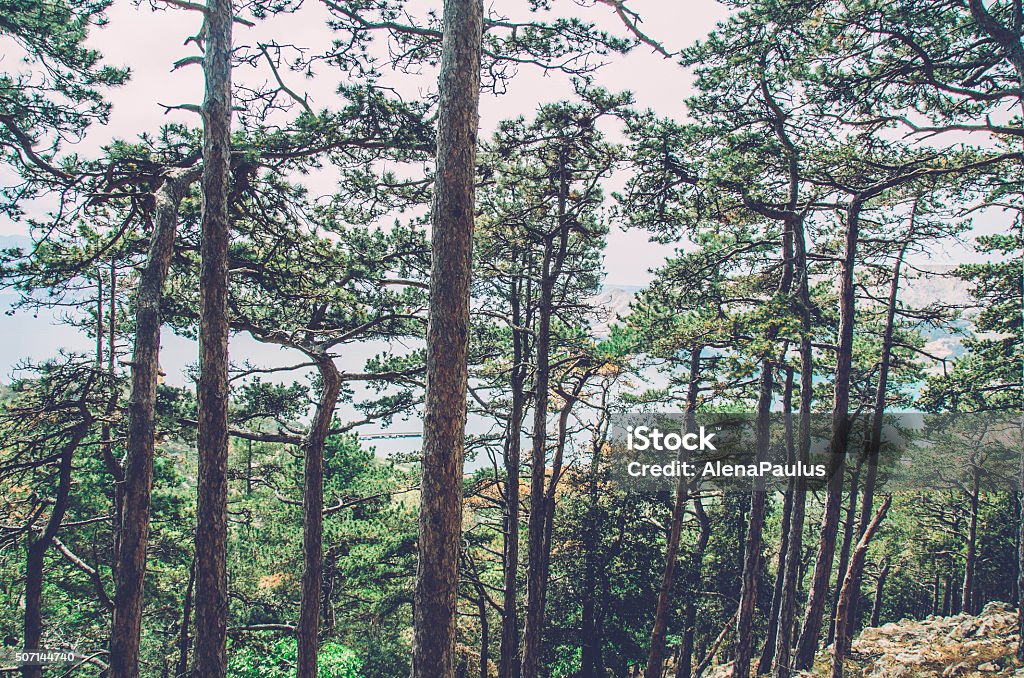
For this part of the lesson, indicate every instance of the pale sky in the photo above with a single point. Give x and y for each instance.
(150, 41)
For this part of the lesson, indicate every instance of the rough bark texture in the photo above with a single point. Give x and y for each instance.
(839, 648)
(444, 417)
(313, 518)
(212, 391)
(837, 448)
(138, 471)
(656, 655)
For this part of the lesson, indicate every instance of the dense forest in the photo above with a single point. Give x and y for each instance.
(423, 480)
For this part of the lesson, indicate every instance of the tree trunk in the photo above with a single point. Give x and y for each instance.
(444, 413)
(839, 648)
(874, 441)
(876, 605)
(186, 622)
(135, 490)
(755, 525)
(508, 663)
(33, 629)
(849, 528)
(536, 575)
(764, 664)
(313, 517)
(970, 557)
(797, 487)
(591, 657)
(837, 449)
(212, 390)
(656, 658)
(684, 667)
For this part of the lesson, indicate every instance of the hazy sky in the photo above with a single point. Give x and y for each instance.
(150, 41)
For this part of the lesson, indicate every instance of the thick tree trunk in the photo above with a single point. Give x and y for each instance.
(837, 449)
(839, 648)
(444, 415)
(212, 391)
(656, 655)
(313, 518)
(33, 628)
(135, 490)
(754, 543)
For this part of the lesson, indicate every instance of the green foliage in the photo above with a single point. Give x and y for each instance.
(276, 659)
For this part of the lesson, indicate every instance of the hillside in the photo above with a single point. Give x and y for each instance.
(961, 645)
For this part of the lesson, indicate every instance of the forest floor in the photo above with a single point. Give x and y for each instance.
(961, 645)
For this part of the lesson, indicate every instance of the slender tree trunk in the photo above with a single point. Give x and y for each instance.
(508, 664)
(755, 524)
(797, 487)
(684, 667)
(212, 391)
(839, 648)
(35, 559)
(591, 656)
(764, 664)
(536, 577)
(656, 658)
(313, 518)
(876, 606)
(186, 622)
(849, 528)
(137, 475)
(874, 441)
(837, 449)
(970, 557)
(444, 415)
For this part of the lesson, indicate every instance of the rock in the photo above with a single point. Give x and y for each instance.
(988, 667)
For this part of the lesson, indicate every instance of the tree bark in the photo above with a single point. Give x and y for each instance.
(212, 391)
(33, 629)
(839, 647)
(755, 525)
(186, 622)
(313, 518)
(536, 575)
(136, 488)
(444, 416)
(764, 664)
(970, 557)
(837, 448)
(508, 662)
(656, 655)
(874, 441)
(684, 668)
(876, 606)
(849, 528)
(797, 487)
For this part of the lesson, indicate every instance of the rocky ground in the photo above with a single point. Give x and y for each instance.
(963, 645)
